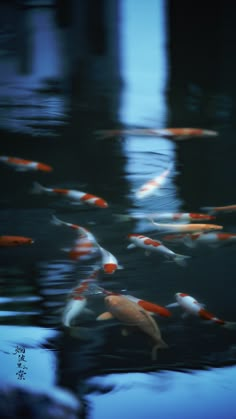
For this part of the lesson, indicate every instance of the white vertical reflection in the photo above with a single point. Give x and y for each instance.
(144, 65)
(144, 71)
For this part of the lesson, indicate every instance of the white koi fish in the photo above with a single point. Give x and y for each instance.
(85, 246)
(170, 133)
(153, 185)
(150, 245)
(209, 239)
(192, 306)
(186, 228)
(165, 216)
(73, 309)
(109, 262)
(77, 197)
(215, 210)
(22, 165)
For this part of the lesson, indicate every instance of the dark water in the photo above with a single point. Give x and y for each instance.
(52, 101)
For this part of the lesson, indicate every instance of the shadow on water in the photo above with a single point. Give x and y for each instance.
(49, 114)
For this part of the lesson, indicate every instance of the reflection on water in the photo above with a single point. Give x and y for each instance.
(43, 101)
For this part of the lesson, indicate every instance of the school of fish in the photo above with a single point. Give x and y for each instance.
(182, 228)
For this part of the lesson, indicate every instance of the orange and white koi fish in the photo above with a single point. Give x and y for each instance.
(192, 306)
(76, 197)
(165, 216)
(130, 313)
(186, 228)
(152, 185)
(10, 241)
(150, 245)
(22, 165)
(170, 133)
(148, 306)
(85, 246)
(109, 262)
(77, 300)
(210, 239)
(214, 210)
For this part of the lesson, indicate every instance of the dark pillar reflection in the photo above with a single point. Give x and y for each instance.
(202, 93)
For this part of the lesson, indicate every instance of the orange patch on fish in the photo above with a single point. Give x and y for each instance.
(152, 242)
(61, 191)
(154, 308)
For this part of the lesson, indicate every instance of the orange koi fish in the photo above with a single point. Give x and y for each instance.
(85, 246)
(214, 210)
(10, 241)
(192, 306)
(170, 133)
(150, 245)
(152, 185)
(186, 228)
(22, 165)
(165, 216)
(130, 313)
(76, 197)
(210, 239)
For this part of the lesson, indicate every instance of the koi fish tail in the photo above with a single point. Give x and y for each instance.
(181, 259)
(56, 221)
(37, 188)
(122, 217)
(160, 345)
(230, 325)
(209, 210)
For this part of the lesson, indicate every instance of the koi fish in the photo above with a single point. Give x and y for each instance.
(109, 261)
(169, 133)
(22, 165)
(77, 300)
(132, 314)
(73, 309)
(187, 228)
(165, 216)
(152, 185)
(210, 239)
(10, 241)
(151, 307)
(214, 210)
(150, 245)
(85, 246)
(76, 197)
(192, 306)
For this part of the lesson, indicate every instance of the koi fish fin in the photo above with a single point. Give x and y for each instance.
(105, 316)
(230, 325)
(75, 202)
(209, 210)
(122, 217)
(65, 249)
(120, 267)
(159, 345)
(181, 259)
(56, 221)
(131, 246)
(147, 253)
(37, 188)
(172, 305)
(189, 242)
